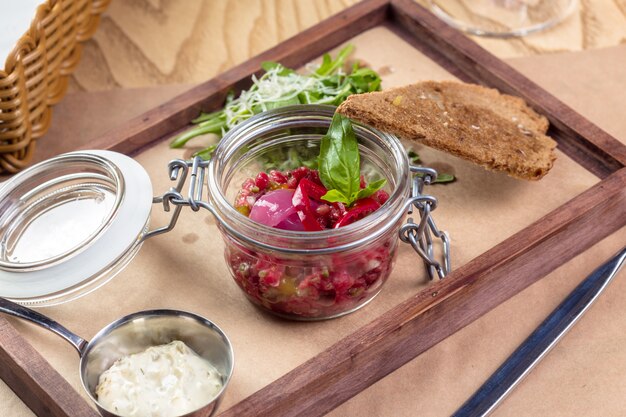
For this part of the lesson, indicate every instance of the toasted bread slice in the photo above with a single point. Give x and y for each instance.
(497, 131)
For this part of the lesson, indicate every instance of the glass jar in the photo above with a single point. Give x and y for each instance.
(300, 274)
(69, 224)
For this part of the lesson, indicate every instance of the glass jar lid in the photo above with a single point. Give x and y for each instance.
(69, 224)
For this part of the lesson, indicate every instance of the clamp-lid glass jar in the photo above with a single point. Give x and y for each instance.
(301, 274)
(67, 225)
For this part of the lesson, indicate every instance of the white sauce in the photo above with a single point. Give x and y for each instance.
(162, 381)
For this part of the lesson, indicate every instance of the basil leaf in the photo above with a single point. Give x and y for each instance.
(335, 196)
(371, 188)
(339, 161)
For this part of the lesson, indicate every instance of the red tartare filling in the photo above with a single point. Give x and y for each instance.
(292, 200)
(301, 288)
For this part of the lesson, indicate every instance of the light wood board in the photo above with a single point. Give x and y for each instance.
(153, 42)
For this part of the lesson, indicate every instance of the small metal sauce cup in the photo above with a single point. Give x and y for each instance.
(135, 333)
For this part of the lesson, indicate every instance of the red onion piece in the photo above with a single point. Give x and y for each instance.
(277, 209)
(274, 208)
(292, 222)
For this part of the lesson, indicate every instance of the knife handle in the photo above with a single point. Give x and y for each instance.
(539, 343)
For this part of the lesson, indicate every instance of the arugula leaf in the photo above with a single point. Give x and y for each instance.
(282, 103)
(206, 153)
(364, 80)
(210, 126)
(340, 164)
(413, 156)
(287, 160)
(208, 116)
(441, 178)
(282, 71)
(329, 65)
(444, 178)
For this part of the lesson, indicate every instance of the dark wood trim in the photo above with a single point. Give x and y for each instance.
(377, 349)
(590, 146)
(583, 141)
(294, 52)
(35, 381)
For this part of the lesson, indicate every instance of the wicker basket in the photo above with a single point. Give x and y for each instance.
(35, 74)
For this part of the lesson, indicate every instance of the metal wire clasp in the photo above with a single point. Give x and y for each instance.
(179, 171)
(420, 235)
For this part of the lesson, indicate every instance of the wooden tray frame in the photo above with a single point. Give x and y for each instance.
(396, 337)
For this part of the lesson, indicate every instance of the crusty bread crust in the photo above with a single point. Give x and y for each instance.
(497, 131)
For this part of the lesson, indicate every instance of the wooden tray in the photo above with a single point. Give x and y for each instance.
(394, 338)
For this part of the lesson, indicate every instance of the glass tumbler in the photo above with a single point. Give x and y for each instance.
(502, 18)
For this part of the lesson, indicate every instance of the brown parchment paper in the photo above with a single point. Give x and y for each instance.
(185, 269)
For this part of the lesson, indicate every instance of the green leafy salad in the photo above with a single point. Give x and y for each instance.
(279, 86)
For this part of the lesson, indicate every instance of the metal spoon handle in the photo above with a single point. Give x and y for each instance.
(539, 343)
(25, 313)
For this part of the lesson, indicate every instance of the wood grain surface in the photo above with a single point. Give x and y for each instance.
(152, 42)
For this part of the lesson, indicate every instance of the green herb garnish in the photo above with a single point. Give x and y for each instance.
(444, 178)
(282, 159)
(280, 86)
(415, 159)
(340, 165)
